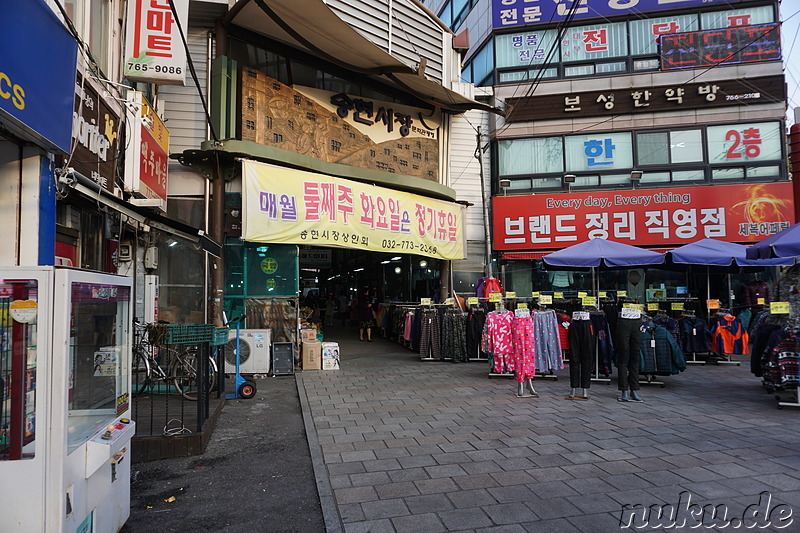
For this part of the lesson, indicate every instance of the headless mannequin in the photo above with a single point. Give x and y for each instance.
(628, 341)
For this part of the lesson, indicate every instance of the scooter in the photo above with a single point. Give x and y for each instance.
(244, 388)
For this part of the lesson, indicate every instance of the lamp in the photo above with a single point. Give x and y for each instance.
(569, 178)
(636, 176)
(505, 184)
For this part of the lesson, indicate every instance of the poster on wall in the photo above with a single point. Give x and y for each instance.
(646, 217)
(340, 127)
(154, 50)
(146, 168)
(283, 205)
(727, 46)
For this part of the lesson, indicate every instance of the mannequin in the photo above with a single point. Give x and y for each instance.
(524, 362)
(582, 345)
(561, 279)
(635, 285)
(628, 339)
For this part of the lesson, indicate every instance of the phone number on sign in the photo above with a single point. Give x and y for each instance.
(389, 244)
(164, 69)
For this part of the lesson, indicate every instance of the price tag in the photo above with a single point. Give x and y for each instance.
(545, 299)
(450, 301)
(627, 312)
(602, 294)
(653, 343)
(652, 307)
(580, 315)
(511, 294)
(589, 300)
(677, 306)
(425, 301)
(522, 306)
(558, 295)
(761, 301)
(622, 294)
(472, 300)
(712, 304)
(779, 308)
(522, 313)
(581, 294)
(495, 297)
(535, 294)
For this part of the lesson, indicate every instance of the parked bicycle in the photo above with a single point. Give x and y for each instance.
(150, 350)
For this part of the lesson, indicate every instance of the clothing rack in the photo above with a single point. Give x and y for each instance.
(694, 360)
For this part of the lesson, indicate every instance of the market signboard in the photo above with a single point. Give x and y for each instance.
(147, 166)
(649, 99)
(283, 205)
(728, 46)
(510, 13)
(645, 217)
(154, 50)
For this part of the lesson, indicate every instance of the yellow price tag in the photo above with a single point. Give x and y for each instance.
(622, 294)
(545, 299)
(535, 294)
(712, 304)
(603, 294)
(652, 307)
(779, 308)
(472, 300)
(761, 301)
(511, 294)
(425, 301)
(640, 307)
(581, 294)
(589, 300)
(495, 297)
(450, 301)
(522, 306)
(677, 306)
(558, 295)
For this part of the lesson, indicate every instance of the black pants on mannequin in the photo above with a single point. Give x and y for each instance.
(582, 353)
(628, 343)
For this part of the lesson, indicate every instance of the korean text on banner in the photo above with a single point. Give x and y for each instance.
(154, 50)
(282, 205)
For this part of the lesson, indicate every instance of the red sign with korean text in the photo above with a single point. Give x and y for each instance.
(644, 217)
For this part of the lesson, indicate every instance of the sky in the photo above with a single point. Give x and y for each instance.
(790, 16)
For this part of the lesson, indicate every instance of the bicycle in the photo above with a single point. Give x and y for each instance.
(182, 365)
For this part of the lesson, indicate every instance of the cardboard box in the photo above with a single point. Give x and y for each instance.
(308, 334)
(330, 356)
(312, 355)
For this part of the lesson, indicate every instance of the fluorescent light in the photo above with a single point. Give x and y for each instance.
(398, 258)
(386, 262)
(358, 270)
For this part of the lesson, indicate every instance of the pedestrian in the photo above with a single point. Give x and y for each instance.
(365, 316)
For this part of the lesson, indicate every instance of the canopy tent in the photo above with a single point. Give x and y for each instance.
(602, 253)
(711, 252)
(785, 243)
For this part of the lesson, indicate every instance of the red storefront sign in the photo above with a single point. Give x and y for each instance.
(643, 217)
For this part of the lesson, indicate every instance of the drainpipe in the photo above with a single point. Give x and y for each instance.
(485, 192)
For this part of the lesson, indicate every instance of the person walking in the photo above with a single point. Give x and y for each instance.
(365, 316)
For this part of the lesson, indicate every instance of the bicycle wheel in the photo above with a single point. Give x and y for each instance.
(141, 371)
(183, 372)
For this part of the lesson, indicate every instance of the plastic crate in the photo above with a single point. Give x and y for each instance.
(189, 333)
(219, 336)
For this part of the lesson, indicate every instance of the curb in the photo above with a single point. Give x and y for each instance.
(330, 511)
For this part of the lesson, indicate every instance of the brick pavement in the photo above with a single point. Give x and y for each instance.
(402, 445)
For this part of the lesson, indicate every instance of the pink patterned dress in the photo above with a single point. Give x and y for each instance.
(496, 339)
(522, 336)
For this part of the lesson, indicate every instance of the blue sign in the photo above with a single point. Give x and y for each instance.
(38, 59)
(510, 13)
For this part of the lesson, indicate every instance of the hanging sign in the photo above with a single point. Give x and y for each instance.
(535, 294)
(627, 312)
(545, 299)
(285, 205)
(589, 300)
(495, 297)
(522, 312)
(23, 311)
(712, 304)
(602, 294)
(154, 50)
(652, 307)
(511, 294)
(522, 306)
(622, 294)
(472, 300)
(761, 301)
(581, 294)
(146, 168)
(677, 306)
(450, 301)
(580, 315)
(425, 301)
(779, 308)
(558, 295)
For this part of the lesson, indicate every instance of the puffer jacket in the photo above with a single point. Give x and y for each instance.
(662, 358)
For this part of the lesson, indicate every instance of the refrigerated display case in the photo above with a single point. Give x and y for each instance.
(65, 381)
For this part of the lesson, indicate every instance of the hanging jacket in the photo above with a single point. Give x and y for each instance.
(491, 285)
(670, 324)
(660, 354)
(694, 334)
(729, 336)
(563, 331)
(755, 291)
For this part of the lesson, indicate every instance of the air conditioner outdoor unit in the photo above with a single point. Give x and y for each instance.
(254, 345)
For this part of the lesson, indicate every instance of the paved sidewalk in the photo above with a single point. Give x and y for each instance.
(423, 447)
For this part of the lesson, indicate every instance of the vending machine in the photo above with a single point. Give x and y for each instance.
(65, 432)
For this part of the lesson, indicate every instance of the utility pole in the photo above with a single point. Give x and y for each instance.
(485, 193)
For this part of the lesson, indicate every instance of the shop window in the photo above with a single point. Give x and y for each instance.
(618, 66)
(654, 177)
(651, 148)
(687, 175)
(615, 179)
(545, 183)
(586, 181)
(579, 70)
(727, 173)
(686, 146)
(763, 172)
(737, 17)
(92, 21)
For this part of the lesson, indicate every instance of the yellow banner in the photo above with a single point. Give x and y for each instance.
(282, 205)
